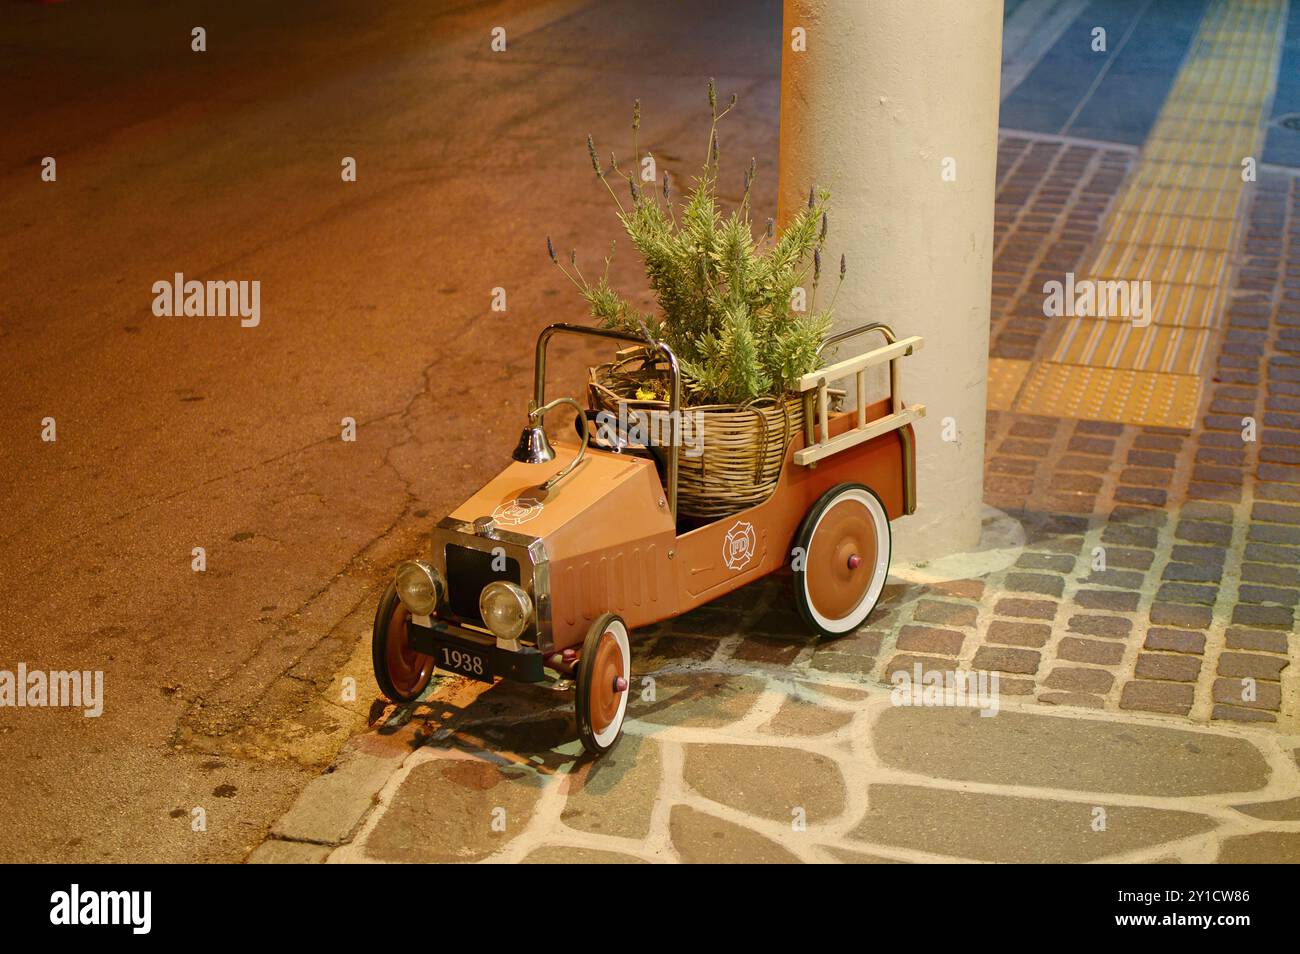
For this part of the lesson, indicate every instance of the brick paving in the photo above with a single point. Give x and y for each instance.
(1161, 570)
(1050, 200)
(1162, 566)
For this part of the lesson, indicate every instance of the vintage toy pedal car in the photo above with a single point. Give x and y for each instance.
(545, 572)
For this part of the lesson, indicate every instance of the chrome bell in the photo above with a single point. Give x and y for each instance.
(534, 447)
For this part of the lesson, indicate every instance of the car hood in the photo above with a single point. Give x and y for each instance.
(610, 498)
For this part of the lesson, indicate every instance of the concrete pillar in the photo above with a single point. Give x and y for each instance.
(886, 97)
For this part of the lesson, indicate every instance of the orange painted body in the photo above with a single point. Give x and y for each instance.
(612, 544)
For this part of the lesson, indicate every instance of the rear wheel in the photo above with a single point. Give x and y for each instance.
(402, 673)
(604, 678)
(844, 546)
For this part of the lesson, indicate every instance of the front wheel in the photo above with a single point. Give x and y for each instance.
(604, 677)
(402, 673)
(843, 544)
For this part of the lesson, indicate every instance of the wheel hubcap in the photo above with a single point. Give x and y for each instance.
(841, 560)
(608, 682)
(407, 669)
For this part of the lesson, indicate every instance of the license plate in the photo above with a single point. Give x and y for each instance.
(463, 662)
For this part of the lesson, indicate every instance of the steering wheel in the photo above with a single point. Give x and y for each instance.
(609, 433)
(605, 430)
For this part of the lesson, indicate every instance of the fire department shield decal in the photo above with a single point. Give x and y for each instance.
(514, 512)
(738, 545)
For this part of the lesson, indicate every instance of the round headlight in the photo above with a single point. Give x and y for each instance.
(419, 587)
(505, 608)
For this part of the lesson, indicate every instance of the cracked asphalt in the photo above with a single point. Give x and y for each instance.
(222, 687)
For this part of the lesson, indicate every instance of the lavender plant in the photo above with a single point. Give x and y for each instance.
(725, 299)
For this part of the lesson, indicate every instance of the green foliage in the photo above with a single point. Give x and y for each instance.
(724, 299)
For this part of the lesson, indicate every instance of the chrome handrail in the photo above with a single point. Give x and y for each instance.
(880, 326)
(537, 415)
(674, 394)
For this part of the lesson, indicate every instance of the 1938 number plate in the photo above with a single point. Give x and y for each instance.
(463, 662)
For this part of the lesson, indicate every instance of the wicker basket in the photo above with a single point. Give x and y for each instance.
(744, 445)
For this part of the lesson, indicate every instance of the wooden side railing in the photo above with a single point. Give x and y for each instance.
(900, 414)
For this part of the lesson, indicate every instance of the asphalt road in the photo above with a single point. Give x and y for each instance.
(181, 432)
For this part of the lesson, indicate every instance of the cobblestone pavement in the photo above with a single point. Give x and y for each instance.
(1162, 569)
(760, 748)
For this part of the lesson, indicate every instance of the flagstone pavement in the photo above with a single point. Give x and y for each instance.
(741, 756)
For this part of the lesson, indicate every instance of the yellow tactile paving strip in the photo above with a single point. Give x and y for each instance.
(1146, 398)
(1182, 202)
(1174, 224)
(1005, 377)
(1100, 343)
(1158, 263)
(1179, 231)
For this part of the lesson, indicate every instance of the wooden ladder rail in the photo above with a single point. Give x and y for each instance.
(819, 443)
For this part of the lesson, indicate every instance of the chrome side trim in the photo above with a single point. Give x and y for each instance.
(542, 596)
